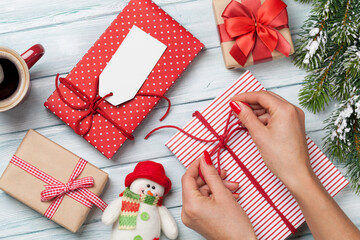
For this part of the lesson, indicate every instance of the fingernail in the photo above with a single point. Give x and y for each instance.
(207, 158)
(235, 107)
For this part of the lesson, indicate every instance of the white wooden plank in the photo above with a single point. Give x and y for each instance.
(67, 29)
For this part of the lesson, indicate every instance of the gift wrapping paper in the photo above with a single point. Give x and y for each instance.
(267, 223)
(227, 43)
(182, 47)
(58, 163)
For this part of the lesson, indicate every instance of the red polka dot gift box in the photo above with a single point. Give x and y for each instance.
(76, 100)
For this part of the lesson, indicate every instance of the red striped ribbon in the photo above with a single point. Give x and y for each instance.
(223, 139)
(56, 190)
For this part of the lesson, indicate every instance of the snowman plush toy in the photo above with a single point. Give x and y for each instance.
(138, 213)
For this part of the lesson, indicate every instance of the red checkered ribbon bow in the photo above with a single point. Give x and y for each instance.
(56, 190)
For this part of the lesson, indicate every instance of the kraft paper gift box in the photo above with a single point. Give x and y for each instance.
(262, 13)
(108, 133)
(38, 155)
(246, 165)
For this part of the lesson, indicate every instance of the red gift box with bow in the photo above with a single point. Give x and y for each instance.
(252, 31)
(76, 100)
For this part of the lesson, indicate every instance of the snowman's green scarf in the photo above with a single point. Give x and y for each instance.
(130, 207)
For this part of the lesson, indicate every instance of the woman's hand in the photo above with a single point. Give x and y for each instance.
(278, 130)
(210, 208)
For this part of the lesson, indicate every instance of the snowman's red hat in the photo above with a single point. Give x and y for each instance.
(152, 171)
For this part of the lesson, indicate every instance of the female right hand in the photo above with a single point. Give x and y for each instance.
(278, 130)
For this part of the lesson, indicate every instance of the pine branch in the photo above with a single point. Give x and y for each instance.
(343, 139)
(316, 92)
(353, 173)
(352, 61)
(347, 74)
(311, 46)
(329, 49)
(341, 87)
(312, 43)
(344, 30)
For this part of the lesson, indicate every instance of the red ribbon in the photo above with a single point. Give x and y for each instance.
(254, 27)
(56, 190)
(222, 140)
(91, 107)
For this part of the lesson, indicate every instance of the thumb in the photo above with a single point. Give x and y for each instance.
(247, 117)
(211, 176)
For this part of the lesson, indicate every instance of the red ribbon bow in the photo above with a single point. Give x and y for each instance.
(91, 107)
(255, 28)
(222, 140)
(56, 190)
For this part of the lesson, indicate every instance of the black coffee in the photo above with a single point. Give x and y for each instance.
(11, 78)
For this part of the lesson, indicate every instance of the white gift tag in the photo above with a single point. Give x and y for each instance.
(130, 66)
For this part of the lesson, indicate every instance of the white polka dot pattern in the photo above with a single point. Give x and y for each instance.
(182, 49)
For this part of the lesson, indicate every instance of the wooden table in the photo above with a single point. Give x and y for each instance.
(67, 29)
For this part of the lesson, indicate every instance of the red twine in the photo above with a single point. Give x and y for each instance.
(91, 106)
(56, 190)
(223, 140)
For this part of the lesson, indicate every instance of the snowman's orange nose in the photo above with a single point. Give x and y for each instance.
(150, 193)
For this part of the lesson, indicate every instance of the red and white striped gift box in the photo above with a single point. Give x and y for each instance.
(267, 223)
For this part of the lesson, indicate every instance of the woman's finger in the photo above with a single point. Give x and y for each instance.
(255, 106)
(188, 181)
(278, 96)
(200, 182)
(231, 186)
(262, 98)
(259, 112)
(265, 118)
(205, 191)
(212, 177)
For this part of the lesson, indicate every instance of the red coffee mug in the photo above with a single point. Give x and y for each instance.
(18, 67)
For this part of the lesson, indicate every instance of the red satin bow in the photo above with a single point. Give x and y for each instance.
(91, 107)
(256, 29)
(56, 190)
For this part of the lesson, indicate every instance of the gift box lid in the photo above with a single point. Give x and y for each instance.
(57, 162)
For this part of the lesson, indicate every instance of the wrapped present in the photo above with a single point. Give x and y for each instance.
(273, 211)
(53, 181)
(79, 102)
(252, 31)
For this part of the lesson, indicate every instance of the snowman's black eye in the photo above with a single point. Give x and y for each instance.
(153, 187)
(148, 186)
